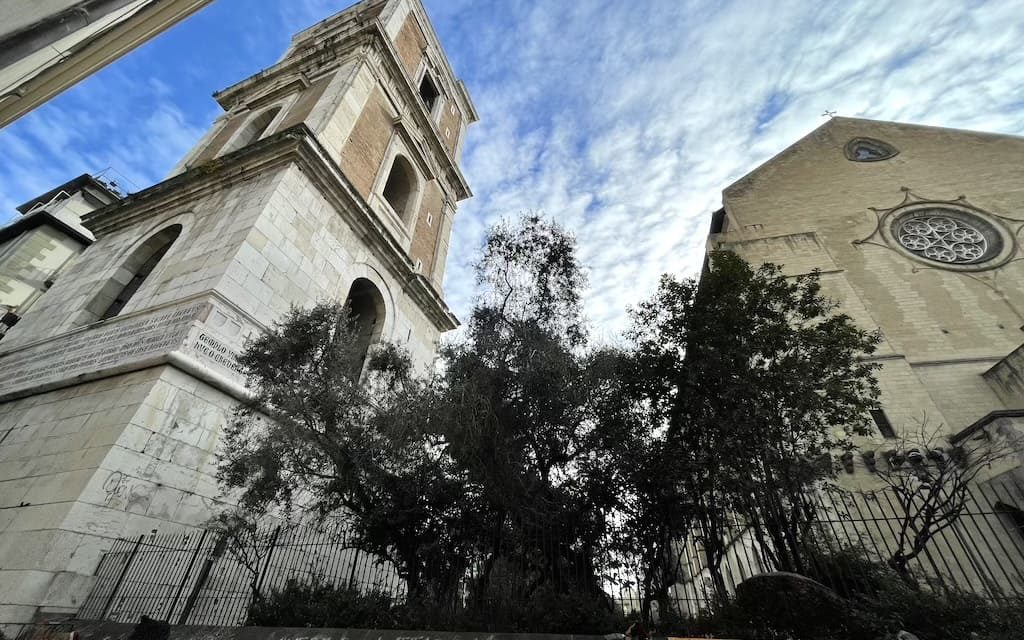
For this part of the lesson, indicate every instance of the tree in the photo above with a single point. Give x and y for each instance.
(931, 480)
(524, 397)
(752, 373)
(248, 542)
(319, 437)
(505, 462)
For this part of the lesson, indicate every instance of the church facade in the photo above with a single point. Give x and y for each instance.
(915, 231)
(333, 174)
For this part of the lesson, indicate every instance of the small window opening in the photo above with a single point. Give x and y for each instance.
(398, 190)
(866, 153)
(868, 150)
(883, 424)
(428, 92)
(719, 222)
(366, 307)
(133, 273)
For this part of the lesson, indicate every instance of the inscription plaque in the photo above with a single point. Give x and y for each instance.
(211, 348)
(111, 344)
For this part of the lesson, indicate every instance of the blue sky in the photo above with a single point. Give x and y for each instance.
(624, 120)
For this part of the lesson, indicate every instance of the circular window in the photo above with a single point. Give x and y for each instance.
(947, 235)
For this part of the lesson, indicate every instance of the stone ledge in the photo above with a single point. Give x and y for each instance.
(103, 630)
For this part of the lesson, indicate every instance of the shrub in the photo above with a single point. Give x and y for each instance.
(877, 604)
(321, 605)
(947, 616)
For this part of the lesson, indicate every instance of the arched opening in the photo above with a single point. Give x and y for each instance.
(366, 308)
(116, 293)
(253, 130)
(428, 92)
(400, 187)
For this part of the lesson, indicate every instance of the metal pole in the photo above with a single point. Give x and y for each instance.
(204, 574)
(120, 578)
(185, 577)
(266, 565)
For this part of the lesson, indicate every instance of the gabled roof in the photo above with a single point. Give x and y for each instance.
(865, 127)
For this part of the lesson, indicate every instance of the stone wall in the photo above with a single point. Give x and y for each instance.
(29, 260)
(115, 631)
(110, 428)
(810, 207)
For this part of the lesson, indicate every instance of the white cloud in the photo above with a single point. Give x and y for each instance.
(645, 112)
(622, 120)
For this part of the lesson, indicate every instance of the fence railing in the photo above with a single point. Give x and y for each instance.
(982, 552)
(198, 578)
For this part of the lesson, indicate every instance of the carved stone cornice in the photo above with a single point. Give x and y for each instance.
(295, 145)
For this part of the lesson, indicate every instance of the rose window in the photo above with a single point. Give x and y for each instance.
(943, 238)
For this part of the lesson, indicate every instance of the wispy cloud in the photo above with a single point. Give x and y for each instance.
(625, 121)
(622, 120)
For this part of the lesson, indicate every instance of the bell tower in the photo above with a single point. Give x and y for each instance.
(374, 88)
(333, 174)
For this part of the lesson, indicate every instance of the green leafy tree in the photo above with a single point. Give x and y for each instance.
(757, 379)
(523, 394)
(322, 436)
(505, 461)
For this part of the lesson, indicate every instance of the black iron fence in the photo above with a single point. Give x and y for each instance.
(982, 552)
(199, 578)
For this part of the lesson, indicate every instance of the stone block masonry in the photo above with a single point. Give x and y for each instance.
(116, 385)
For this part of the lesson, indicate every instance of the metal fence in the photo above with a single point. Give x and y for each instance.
(196, 578)
(199, 578)
(982, 552)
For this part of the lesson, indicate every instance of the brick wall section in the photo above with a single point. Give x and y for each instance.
(424, 238)
(451, 122)
(304, 105)
(1006, 379)
(364, 151)
(410, 43)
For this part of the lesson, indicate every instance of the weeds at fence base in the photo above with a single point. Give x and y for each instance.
(321, 605)
(758, 613)
(875, 609)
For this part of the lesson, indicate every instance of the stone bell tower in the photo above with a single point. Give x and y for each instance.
(333, 174)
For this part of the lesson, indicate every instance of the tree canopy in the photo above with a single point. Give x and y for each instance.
(758, 379)
(728, 387)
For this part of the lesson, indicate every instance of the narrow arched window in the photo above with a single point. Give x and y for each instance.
(366, 308)
(126, 282)
(400, 187)
(253, 130)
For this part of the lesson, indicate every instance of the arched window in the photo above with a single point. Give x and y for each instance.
(116, 293)
(400, 188)
(253, 130)
(366, 307)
